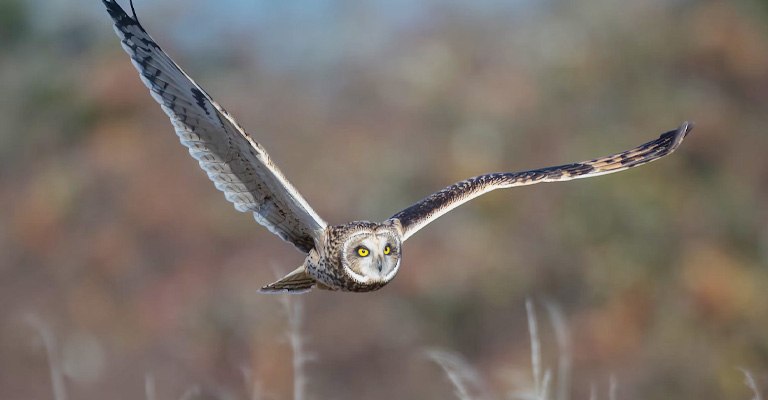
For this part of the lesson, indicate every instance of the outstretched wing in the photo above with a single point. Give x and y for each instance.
(238, 165)
(427, 210)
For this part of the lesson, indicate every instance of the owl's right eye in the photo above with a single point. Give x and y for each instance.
(362, 251)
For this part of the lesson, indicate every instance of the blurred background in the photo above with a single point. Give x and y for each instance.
(115, 239)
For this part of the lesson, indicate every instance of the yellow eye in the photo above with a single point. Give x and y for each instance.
(362, 252)
(387, 249)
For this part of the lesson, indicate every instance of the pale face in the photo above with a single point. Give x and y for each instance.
(371, 256)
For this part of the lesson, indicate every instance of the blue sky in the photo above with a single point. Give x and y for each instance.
(290, 31)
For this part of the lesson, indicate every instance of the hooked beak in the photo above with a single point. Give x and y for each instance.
(378, 264)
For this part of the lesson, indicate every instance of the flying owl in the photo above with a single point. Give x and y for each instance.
(359, 256)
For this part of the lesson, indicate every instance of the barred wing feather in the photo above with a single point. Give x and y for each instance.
(432, 207)
(238, 165)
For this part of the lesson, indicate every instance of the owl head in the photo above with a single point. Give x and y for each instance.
(370, 254)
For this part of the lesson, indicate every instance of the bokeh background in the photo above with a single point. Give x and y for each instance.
(113, 237)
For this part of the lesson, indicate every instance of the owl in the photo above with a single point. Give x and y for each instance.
(359, 256)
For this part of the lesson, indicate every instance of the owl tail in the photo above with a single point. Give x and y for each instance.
(298, 281)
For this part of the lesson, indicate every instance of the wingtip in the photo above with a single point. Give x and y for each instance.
(133, 11)
(119, 15)
(116, 12)
(112, 5)
(687, 126)
(681, 132)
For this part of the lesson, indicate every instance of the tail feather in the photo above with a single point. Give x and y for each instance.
(298, 281)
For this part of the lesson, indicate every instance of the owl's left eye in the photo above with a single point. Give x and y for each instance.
(387, 250)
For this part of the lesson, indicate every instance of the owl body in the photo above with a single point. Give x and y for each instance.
(360, 256)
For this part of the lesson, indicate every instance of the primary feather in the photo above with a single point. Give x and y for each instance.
(429, 209)
(238, 165)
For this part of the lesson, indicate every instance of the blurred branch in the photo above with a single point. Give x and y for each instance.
(562, 336)
(535, 347)
(613, 386)
(749, 380)
(294, 310)
(57, 377)
(191, 392)
(463, 377)
(149, 387)
(252, 386)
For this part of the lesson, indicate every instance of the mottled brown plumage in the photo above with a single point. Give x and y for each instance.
(426, 210)
(359, 256)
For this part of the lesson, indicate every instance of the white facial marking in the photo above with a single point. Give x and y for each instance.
(374, 263)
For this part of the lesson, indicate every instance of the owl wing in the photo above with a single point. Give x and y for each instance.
(427, 210)
(237, 165)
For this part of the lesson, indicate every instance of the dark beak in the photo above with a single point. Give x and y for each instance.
(378, 264)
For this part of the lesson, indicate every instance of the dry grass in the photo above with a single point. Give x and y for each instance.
(294, 310)
(467, 382)
(51, 348)
(749, 380)
(464, 377)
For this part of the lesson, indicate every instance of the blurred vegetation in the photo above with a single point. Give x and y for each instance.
(112, 234)
(13, 23)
